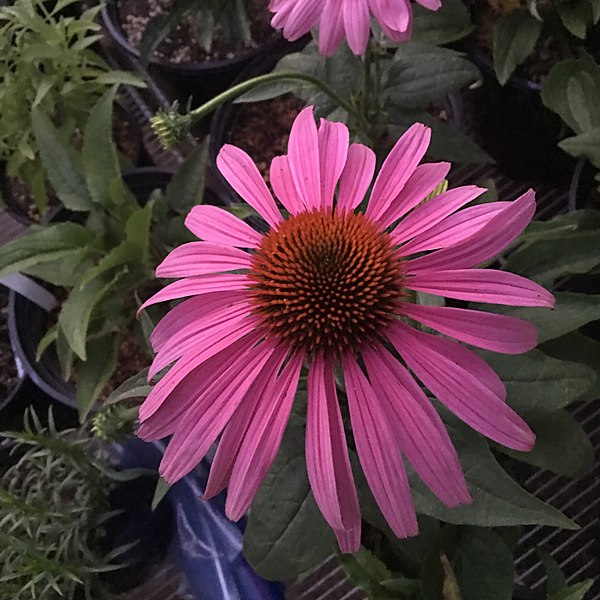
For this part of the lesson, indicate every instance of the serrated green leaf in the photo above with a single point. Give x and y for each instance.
(186, 188)
(561, 445)
(44, 245)
(93, 374)
(74, 318)
(515, 35)
(286, 534)
(137, 230)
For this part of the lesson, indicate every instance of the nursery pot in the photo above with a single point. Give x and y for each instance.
(200, 81)
(517, 130)
(28, 322)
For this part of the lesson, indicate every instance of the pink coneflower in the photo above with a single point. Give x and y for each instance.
(337, 19)
(333, 287)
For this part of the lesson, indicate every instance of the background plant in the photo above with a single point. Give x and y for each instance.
(105, 255)
(47, 64)
(53, 507)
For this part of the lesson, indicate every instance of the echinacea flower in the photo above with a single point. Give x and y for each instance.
(351, 19)
(333, 287)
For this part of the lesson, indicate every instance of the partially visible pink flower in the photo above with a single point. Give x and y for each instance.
(351, 19)
(332, 287)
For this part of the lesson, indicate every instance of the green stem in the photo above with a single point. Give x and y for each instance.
(246, 86)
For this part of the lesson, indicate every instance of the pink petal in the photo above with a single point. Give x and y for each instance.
(244, 177)
(205, 420)
(303, 158)
(193, 286)
(283, 185)
(188, 311)
(419, 185)
(356, 177)
(216, 225)
(331, 27)
(397, 168)
(421, 433)
(392, 15)
(210, 329)
(433, 211)
(447, 370)
(261, 443)
(357, 23)
(498, 333)
(379, 453)
(202, 258)
(455, 228)
(327, 459)
(302, 18)
(430, 4)
(489, 241)
(333, 151)
(481, 285)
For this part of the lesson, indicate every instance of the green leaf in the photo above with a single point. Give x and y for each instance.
(448, 24)
(100, 157)
(555, 579)
(571, 312)
(585, 145)
(116, 257)
(556, 228)
(137, 230)
(515, 36)
(366, 571)
(93, 374)
(539, 260)
(120, 78)
(186, 188)
(576, 16)
(49, 338)
(421, 74)
(74, 318)
(561, 445)
(536, 383)
(64, 272)
(42, 246)
(497, 499)
(556, 85)
(161, 490)
(134, 387)
(579, 348)
(286, 533)
(574, 592)
(483, 565)
(64, 172)
(582, 93)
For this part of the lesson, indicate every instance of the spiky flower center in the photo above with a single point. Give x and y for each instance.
(325, 282)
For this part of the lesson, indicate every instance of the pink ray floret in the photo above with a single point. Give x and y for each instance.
(331, 285)
(345, 19)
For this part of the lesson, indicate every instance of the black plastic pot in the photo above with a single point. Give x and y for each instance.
(28, 322)
(517, 130)
(199, 81)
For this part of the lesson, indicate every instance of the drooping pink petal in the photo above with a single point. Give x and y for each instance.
(486, 243)
(244, 177)
(204, 421)
(357, 24)
(446, 368)
(202, 258)
(433, 211)
(331, 27)
(455, 228)
(327, 460)
(302, 18)
(430, 4)
(208, 330)
(261, 443)
(214, 224)
(188, 311)
(283, 185)
(392, 15)
(379, 452)
(397, 168)
(333, 151)
(304, 158)
(498, 333)
(195, 286)
(419, 185)
(356, 177)
(481, 285)
(420, 430)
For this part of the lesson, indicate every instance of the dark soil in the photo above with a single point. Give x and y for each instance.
(126, 135)
(24, 202)
(263, 129)
(9, 376)
(182, 44)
